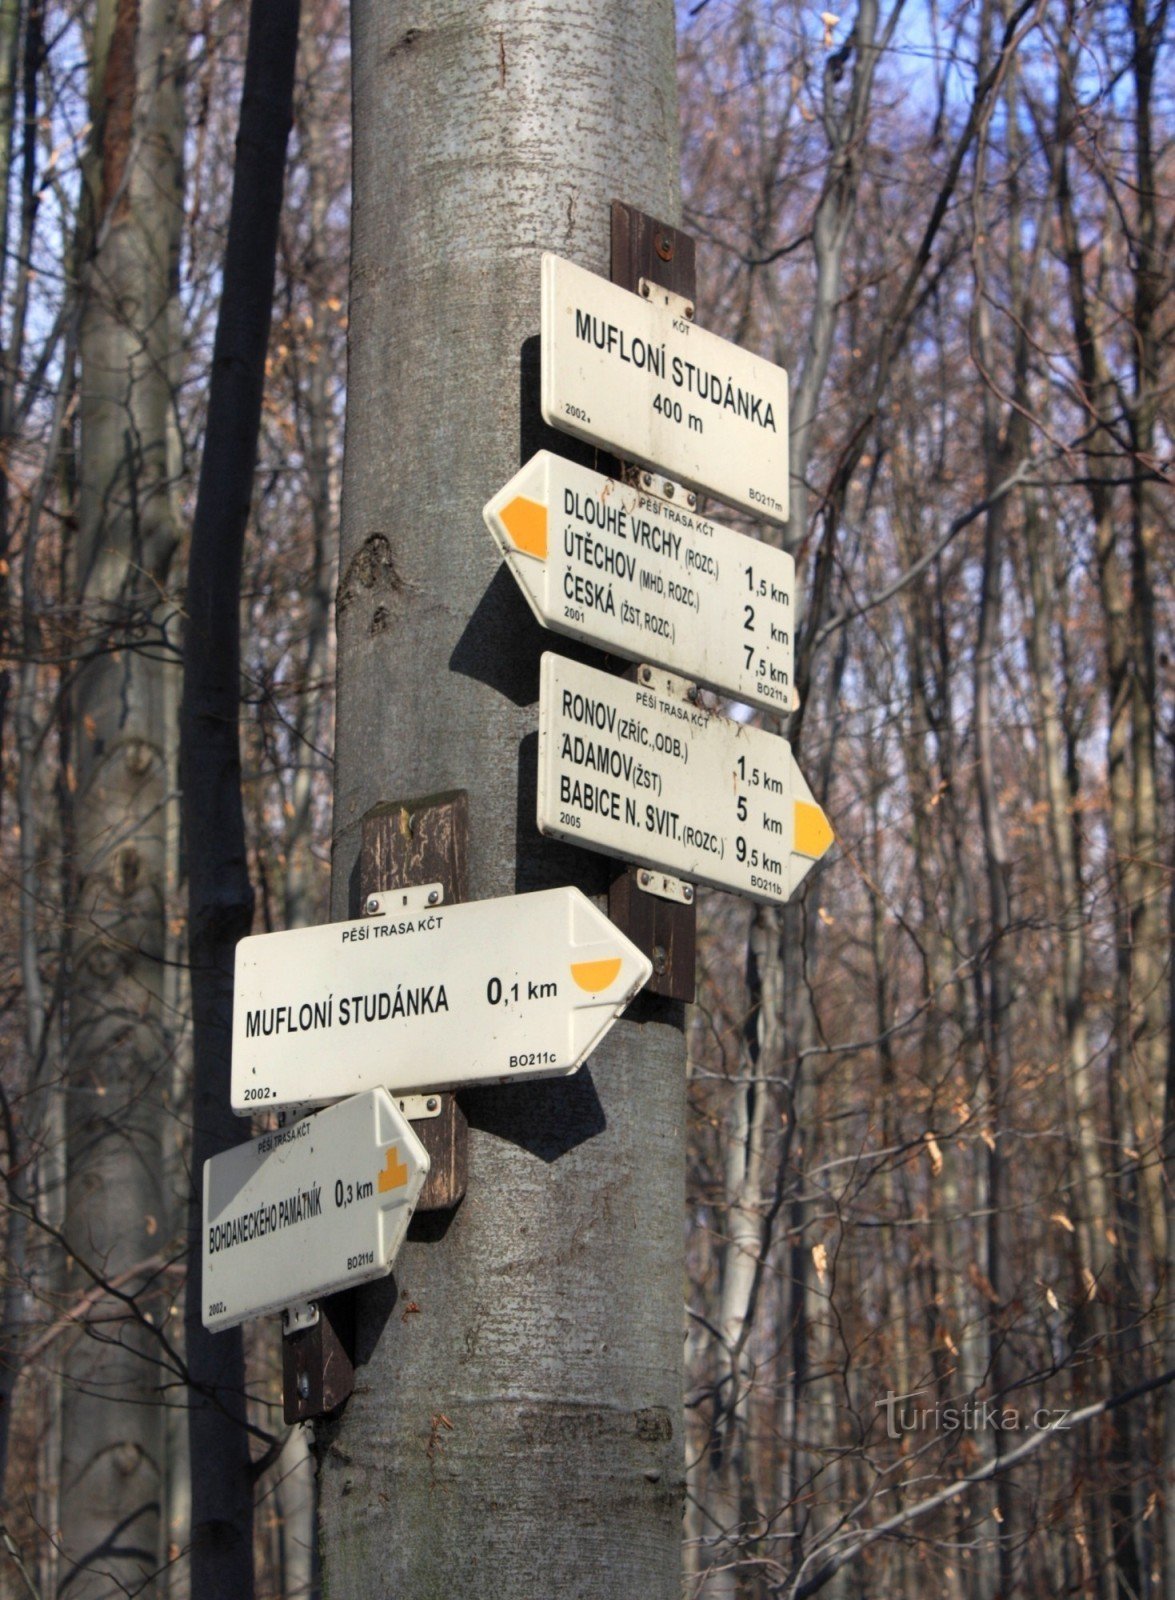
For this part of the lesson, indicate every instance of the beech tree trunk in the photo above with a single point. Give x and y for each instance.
(118, 1051)
(516, 1425)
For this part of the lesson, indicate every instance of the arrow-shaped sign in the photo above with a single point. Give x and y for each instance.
(321, 1205)
(637, 376)
(427, 996)
(637, 770)
(648, 579)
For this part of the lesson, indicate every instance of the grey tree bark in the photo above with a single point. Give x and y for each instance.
(118, 1047)
(516, 1425)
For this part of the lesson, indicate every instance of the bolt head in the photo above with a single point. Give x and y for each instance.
(303, 1385)
(647, 479)
(668, 490)
(645, 878)
(688, 893)
(646, 675)
(431, 1103)
(433, 897)
(660, 958)
(372, 904)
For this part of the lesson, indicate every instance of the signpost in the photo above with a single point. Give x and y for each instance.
(651, 580)
(636, 376)
(301, 1211)
(638, 770)
(427, 996)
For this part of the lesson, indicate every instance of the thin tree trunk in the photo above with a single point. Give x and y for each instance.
(220, 895)
(118, 1053)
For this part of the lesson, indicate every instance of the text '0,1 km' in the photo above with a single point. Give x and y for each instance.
(482, 992)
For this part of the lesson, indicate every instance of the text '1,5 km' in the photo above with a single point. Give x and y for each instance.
(637, 376)
(651, 580)
(640, 771)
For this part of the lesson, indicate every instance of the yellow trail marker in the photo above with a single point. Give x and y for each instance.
(813, 832)
(291, 1215)
(395, 1173)
(594, 976)
(475, 993)
(526, 523)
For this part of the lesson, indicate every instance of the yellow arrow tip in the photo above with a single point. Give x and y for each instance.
(813, 831)
(395, 1173)
(526, 523)
(594, 976)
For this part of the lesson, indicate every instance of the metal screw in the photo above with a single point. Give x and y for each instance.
(668, 487)
(660, 959)
(372, 904)
(687, 893)
(645, 290)
(646, 675)
(431, 1103)
(433, 896)
(689, 310)
(664, 246)
(303, 1386)
(646, 878)
(691, 499)
(647, 479)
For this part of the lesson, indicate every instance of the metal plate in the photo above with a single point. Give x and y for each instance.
(636, 770)
(305, 1210)
(638, 378)
(485, 992)
(648, 579)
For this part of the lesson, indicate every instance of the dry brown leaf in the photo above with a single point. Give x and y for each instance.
(933, 1151)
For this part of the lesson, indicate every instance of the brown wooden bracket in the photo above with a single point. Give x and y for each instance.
(665, 930)
(643, 247)
(407, 842)
(318, 1363)
(402, 843)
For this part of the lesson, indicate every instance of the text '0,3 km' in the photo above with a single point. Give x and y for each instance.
(483, 992)
(637, 770)
(637, 376)
(301, 1211)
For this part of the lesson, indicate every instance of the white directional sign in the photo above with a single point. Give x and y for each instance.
(650, 580)
(638, 377)
(429, 997)
(321, 1205)
(636, 770)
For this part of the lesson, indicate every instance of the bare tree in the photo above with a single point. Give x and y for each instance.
(118, 1049)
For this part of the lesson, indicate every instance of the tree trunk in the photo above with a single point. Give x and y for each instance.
(516, 1427)
(220, 895)
(118, 1053)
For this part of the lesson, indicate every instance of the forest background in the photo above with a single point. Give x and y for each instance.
(931, 1187)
